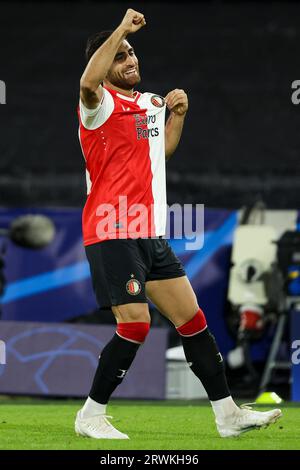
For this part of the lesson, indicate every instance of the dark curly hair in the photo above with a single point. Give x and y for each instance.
(94, 42)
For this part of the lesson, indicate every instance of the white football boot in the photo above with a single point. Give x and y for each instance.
(97, 427)
(245, 419)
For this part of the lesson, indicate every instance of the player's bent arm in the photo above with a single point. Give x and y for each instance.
(91, 91)
(177, 103)
(173, 131)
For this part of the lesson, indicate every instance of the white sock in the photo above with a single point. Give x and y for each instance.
(92, 408)
(224, 407)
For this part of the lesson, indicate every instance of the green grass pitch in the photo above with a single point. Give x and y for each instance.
(157, 425)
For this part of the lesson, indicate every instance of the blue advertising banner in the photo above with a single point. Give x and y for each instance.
(53, 284)
(59, 359)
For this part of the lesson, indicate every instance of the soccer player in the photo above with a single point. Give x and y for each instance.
(125, 143)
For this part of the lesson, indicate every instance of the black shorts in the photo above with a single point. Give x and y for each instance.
(120, 268)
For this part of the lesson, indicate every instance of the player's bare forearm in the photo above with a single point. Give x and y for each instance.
(177, 103)
(173, 131)
(99, 64)
(101, 61)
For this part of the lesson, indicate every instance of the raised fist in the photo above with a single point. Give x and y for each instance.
(133, 21)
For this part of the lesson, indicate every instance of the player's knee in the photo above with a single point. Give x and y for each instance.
(194, 326)
(135, 312)
(133, 331)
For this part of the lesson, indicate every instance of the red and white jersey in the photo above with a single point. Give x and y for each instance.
(123, 143)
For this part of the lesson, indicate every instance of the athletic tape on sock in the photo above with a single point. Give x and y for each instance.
(133, 331)
(194, 326)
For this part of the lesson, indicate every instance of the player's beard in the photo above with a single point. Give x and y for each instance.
(125, 83)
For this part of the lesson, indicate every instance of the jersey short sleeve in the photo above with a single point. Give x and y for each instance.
(94, 118)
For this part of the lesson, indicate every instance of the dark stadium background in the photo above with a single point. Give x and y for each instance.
(236, 61)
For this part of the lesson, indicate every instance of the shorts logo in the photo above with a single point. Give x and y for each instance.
(157, 101)
(133, 287)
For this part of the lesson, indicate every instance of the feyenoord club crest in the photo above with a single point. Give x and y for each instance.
(133, 287)
(157, 101)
